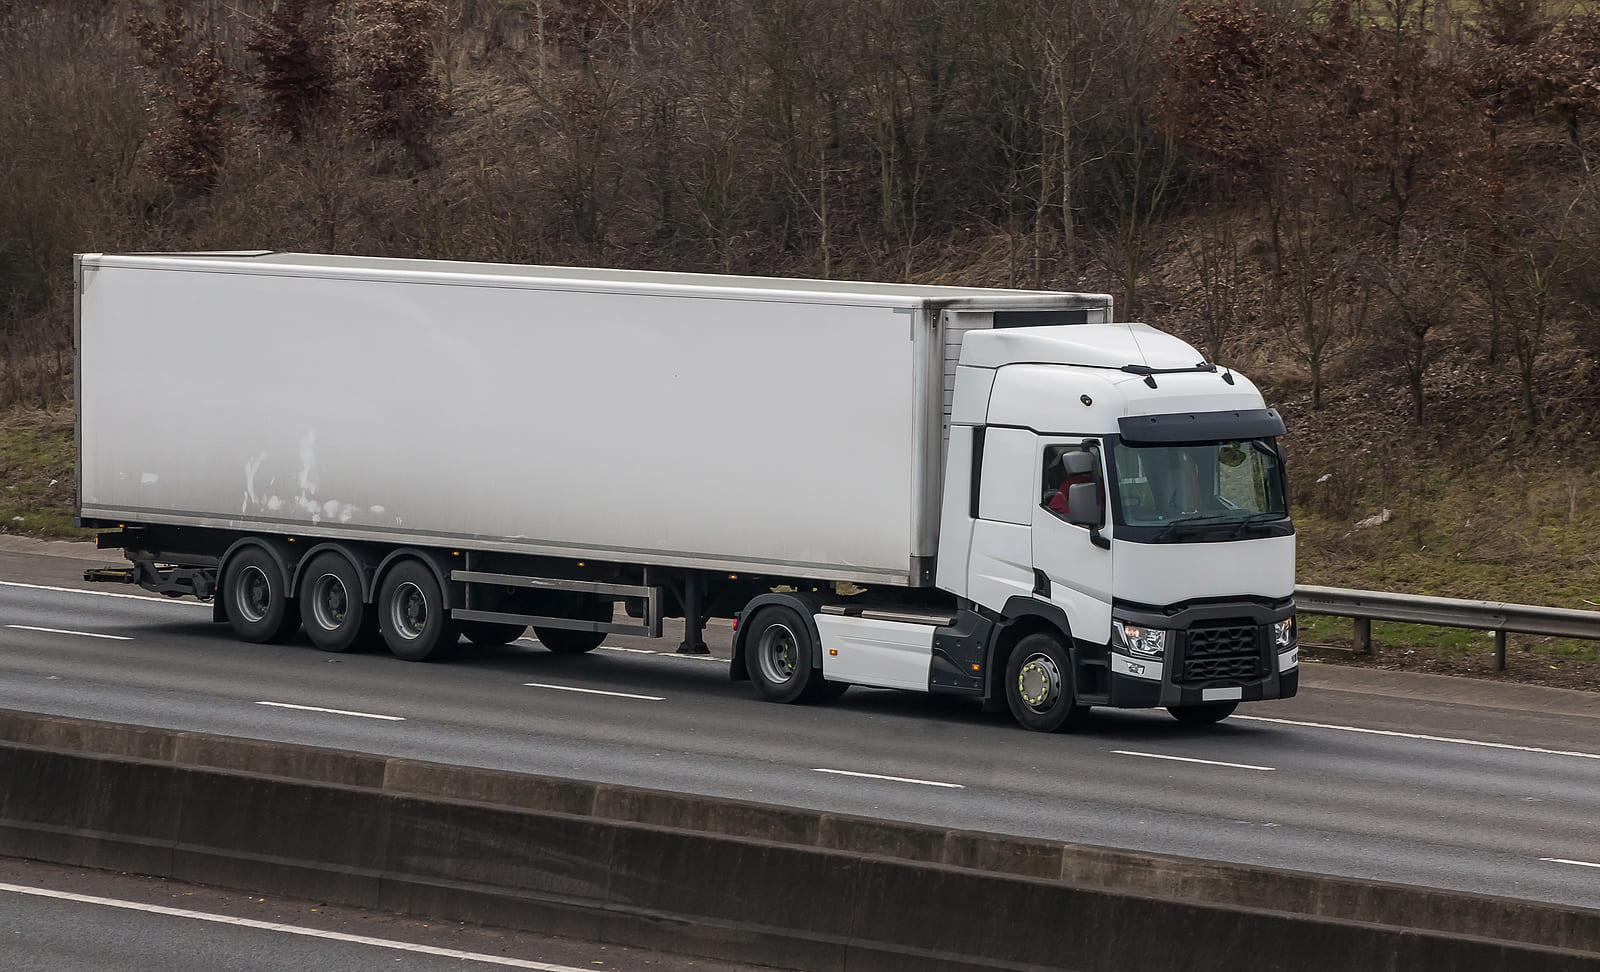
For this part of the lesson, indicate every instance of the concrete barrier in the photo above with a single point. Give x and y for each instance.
(719, 878)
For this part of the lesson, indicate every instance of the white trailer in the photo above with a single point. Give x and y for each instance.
(860, 474)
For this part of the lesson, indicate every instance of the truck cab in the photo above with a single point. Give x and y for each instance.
(1115, 526)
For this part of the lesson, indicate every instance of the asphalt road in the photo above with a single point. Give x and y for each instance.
(1412, 779)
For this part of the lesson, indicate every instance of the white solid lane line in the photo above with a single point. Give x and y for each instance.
(1191, 759)
(149, 598)
(891, 779)
(615, 695)
(663, 654)
(1562, 860)
(289, 929)
(84, 634)
(343, 712)
(1423, 738)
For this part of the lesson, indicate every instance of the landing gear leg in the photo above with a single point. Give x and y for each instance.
(694, 622)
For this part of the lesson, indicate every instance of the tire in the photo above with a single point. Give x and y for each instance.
(824, 691)
(411, 613)
(567, 641)
(780, 655)
(255, 594)
(1039, 685)
(1204, 714)
(331, 609)
(492, 634)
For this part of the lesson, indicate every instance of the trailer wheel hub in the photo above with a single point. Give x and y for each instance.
(254, 597)
(330, 602)
(409, 611)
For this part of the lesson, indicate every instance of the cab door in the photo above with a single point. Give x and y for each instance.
(1071, 571)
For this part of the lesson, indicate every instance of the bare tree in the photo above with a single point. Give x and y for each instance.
(1219, 266)
(1525, 267)
(1322, 290)
(1423, 287)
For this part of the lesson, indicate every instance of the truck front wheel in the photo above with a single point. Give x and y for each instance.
(255, 594)
(411, 613)
(1204, 714)
(1039, 685)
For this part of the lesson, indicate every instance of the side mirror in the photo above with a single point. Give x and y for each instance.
(1078, 463)
(1083, 503)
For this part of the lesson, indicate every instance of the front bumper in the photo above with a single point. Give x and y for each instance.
(1215, 653)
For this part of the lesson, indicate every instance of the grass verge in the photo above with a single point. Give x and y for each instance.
(37, 478)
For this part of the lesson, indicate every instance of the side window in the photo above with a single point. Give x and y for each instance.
(1057, 479)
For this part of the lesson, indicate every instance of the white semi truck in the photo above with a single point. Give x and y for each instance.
(990, 493)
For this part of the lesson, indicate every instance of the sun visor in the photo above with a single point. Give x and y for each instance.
(1249, 423)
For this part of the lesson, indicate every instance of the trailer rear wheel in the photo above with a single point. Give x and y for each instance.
(331, 608)
(565, 641)
(492, 634)
(411, 613)
(255, 594)
(1204, 714)
(780, 656)
(1039, 686)
(568, 641)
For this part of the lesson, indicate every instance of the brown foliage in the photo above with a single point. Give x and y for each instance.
(295, 48)
(1528, 65)
(398, 94)
(979, 141)
(189, 149)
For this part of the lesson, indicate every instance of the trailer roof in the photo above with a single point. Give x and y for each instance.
(586, 277)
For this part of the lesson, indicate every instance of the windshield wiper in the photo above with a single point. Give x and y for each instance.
(1255, 518)
(1189, 521)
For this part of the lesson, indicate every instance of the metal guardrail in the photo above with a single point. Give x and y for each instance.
(1446, 612)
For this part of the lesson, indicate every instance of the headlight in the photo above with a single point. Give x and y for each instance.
(1136, 639)
(1283, 634)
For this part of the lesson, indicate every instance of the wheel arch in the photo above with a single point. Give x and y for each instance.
(277, 550)
(1024, 616)
(805, 604)
(434, 561)
(358, 558)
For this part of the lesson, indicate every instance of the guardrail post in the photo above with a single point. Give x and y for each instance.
(1500, 650)
(1363, 636)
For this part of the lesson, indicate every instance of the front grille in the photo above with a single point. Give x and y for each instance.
(1223, 651)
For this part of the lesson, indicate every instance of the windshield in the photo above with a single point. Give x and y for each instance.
(1198, 487)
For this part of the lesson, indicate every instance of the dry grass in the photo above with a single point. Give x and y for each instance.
(37, 473)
